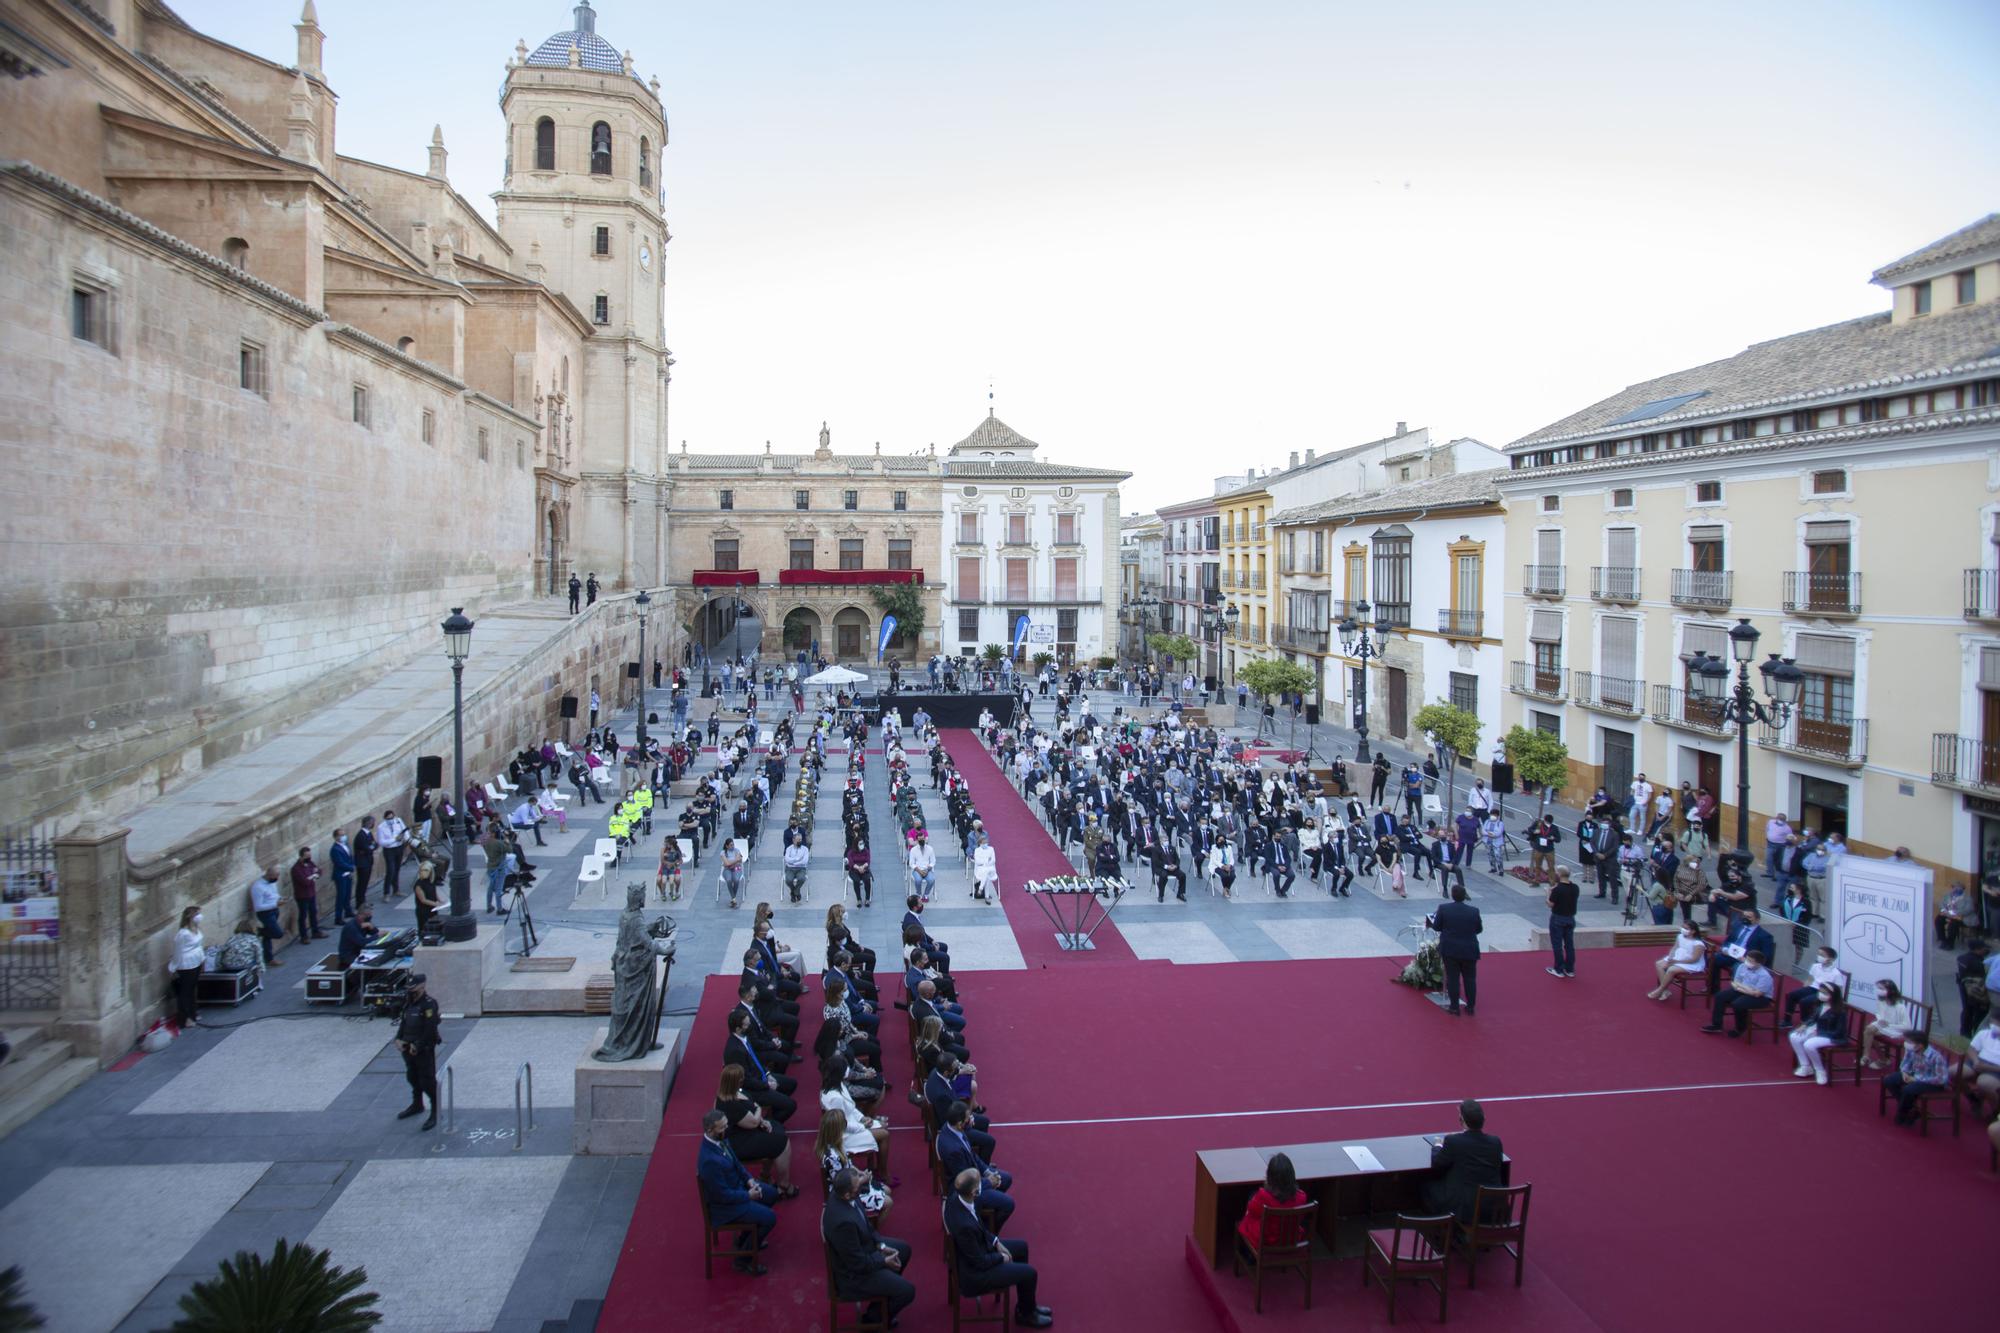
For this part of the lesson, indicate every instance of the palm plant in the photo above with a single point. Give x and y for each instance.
(17, 1315)
(298, 1290)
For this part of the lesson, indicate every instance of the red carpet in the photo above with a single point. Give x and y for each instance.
(1642, 1138)
(1026, 852)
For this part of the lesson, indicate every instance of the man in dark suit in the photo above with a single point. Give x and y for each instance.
(938, 1092)
(866, 1267)
(858, 1009)
(1747, 938)
(940, 954)
(1283, 866)
(986, 1263)
(773, 1050)
(1458, 925)
(728, 1191)
(923, 1006)
(1167, 866)
(956, 1152)
(761, 1084)
(1463, 1162)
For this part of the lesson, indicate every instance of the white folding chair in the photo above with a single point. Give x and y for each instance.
(500, 779)
(606, 850)
(493, 795)
(591, 871)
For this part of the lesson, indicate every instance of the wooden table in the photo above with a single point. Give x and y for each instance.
(1225, 1178)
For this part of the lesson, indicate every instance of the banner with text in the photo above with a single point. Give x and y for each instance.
(1880, 911)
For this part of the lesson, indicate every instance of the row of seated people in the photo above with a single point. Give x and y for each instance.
(1818, 1020)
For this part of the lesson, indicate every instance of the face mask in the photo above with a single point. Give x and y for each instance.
(197, 918)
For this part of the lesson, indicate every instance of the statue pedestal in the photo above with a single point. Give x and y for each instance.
(620, 1104)
(455, 973)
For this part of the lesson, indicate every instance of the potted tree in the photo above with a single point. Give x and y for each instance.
(297, 1290)
(1455, 734)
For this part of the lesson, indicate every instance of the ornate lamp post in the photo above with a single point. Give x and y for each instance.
(1709, 677)
(1215, 624)
(458, 922)
(1359, 639)
(645, 604)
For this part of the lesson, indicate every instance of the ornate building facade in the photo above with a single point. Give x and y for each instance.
(249, 374)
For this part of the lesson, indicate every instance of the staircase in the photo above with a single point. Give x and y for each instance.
(37, 1074)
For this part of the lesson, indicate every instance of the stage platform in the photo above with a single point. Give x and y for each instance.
(1647, 1142)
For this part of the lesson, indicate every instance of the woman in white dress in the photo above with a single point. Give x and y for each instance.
(1688, 955)
(863, 1134)
(985, 873)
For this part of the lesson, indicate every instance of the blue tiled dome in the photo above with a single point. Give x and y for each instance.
(593, 51)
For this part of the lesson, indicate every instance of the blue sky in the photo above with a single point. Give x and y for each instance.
(1188, 238)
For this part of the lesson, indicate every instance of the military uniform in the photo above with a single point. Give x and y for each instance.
(417, 1037)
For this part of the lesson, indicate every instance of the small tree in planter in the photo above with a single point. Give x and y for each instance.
(1106, 663)
(1538, 758)
(298, 1290)
(1455, 733)
(1273, 675)
(1173, 647)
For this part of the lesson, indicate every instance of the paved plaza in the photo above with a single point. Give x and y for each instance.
(278, 1119)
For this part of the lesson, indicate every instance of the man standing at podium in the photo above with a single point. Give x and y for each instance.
(1458, 926)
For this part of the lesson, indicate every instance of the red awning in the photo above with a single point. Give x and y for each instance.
(850, 576)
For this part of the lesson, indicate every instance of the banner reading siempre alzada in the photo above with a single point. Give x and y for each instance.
(1880, 912)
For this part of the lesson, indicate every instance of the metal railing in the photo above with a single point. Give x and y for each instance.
(1682, 708)
(1965, 762)
(1527, 678)
(1543, 580)
(1614, 583)
(1256, 532)
(1843, 740)
(30, 972)
(1250, 580)
(1247, 634)
(1396, 613)
(1701, 587)
(1460, 624)
(1291, 636)
(1822, 594)
(1613, 694)
(1045, 597)
(1982, 594)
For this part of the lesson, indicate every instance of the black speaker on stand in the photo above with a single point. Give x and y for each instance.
(568, 714)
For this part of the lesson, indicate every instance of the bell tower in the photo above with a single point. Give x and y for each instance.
(583, 202)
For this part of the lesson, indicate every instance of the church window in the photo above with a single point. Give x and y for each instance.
(90, 313)
(600, 149)
(545, 144)
(645, 162)
(521, 454)
(902, 500)
(485, 450)
(428, 428)
(236, 252)
(726, 500)
(601, 310)
(802, 499)
(601, 243)
(250, 371)
(360, 405)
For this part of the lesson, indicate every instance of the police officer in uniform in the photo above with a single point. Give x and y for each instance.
(417, 1038)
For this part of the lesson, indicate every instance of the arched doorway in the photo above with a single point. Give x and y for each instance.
(802, 629)
(850, 635)
(727, 628)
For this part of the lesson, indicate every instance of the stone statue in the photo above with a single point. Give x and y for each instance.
(638, 989)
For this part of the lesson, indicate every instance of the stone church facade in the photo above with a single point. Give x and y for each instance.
(272, 407)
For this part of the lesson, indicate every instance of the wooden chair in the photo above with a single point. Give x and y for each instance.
(713, 1233)
(1770, 1018)
(1500, 1217)
(1003, 1299)
(1416, 1249)
(1685, 982)
(1847, 1055)
(1920, 1021)
(1927, 1104)
(866, 1316)
(1276, 1256)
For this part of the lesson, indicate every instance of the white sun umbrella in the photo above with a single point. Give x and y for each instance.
(836, 675)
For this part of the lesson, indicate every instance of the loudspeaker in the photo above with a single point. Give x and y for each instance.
(1312, 715)
(569, 705)
(1503, 778)
(430, 770)
(631, 671)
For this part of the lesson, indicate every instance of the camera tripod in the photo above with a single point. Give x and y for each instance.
(519, 898)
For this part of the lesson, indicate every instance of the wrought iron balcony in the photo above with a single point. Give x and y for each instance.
(1839, 740)
(1965, 763)
(1814, 594)
(1614, 583)
(1702, 587)
(1682, 708)
(1305, 640)
(1541, 682)
(1543, 580)
(1460, 624)
(1607, 694)
(1982, 594)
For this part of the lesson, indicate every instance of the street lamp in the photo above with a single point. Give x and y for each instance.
(458, 922)
(1215, 624)
(1365, 642)
(644, 603)
(1709, 678)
